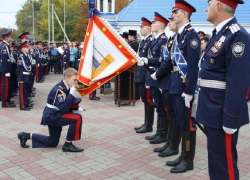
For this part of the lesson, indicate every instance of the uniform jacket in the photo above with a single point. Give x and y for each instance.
(141, 71)
(226, 59)
(66, 55)
(5, 61)
(60, 98)
(189, 44)
(164, 71)
(38, 55)
(23, 68)
(154, 57)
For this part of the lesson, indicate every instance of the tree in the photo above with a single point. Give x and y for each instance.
(120, 4)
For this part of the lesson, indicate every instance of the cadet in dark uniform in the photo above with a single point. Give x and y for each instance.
(66, 55)
(24, 69)
(57, 114)
(163, 74)
(154, 61)
(38, 58)
(183, 81)
(224, 85)
(140, 78)
(78, 54)
(5, 70)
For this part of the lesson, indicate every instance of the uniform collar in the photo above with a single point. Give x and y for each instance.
(67, 87)
(220, 26)
(146, 37)
(182, 28)
(6, 42)
(157, 35)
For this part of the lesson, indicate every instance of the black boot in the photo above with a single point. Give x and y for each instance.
(162, 137)
(149, 120)
(187, 162)
(173, 148)
(157, 130)
(145, 117)
(170, 130)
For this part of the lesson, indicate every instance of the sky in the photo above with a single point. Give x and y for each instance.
(8, 10)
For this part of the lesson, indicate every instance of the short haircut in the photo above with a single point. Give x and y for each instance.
(206, 39)
(70, 72)
(228, 9)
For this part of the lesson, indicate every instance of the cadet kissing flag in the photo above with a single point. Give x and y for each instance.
(105, 55)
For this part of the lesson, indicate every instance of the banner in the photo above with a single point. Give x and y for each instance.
(105, 55)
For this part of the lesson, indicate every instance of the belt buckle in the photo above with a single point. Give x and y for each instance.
(184, 80)
(175, 68)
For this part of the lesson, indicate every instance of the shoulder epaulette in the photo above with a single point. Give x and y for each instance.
(234, 28)
(163, 37)
(190, 29)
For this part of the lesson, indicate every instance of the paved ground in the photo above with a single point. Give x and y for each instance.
(112, 148)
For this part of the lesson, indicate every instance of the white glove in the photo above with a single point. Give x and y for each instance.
(64, 62)
(7, 74)
(81, 109)
(229, 130)
(153, 76)
(79, 59)
(72, 90)
(145, 60)
(140, 63)
(38, 65)
(187, 98)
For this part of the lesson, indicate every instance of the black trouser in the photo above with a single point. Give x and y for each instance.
(55, 60)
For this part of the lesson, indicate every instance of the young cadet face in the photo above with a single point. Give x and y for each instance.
(156, 25)
(172, 25)
(211, 10)
(25, 49)
(144, 30)
(178, 16)
(71, 81)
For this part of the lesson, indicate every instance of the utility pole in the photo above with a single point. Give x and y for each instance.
(49, 21)
(53, 33)
(64, 21)
(33, 20)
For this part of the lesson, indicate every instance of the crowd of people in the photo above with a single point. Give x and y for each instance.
(173, 75)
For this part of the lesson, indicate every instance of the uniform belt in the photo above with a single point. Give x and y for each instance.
(175, 68)
(53, 107)
(26, 73)
(212, 84)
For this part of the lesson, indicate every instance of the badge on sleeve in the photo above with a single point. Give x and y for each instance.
(194, 43)
(238, 49)
(60, 97)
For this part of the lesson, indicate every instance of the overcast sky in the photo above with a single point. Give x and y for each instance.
(8, 10)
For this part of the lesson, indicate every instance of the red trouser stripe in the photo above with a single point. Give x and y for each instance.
(6, 90)
(91, 95)
(166, 111)
(37, 79)
(149, 97)
(78, 124)
(190, 121)
(21, 90)
(1, 87)
(229, 154)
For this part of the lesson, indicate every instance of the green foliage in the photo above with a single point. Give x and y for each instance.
(76, 18)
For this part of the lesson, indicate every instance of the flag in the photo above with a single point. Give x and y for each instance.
(105, 55)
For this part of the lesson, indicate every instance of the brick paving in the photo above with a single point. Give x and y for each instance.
(112, 149)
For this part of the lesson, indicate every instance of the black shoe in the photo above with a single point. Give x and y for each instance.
(144, 129)
(183, 167)
(151, 137)
(31, 104)
(165, 146)
(31, 95)
(23, 140)
(31, 101)
(95, 98)
(71, 148)
(31, 107)
(27, 109)
(175, 162)
(137, 128)
(159, 139)
(9, 106)
(11, 102)
(168, 152)
(33, 89)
